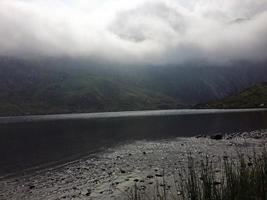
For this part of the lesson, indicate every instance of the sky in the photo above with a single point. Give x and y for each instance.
(139, 31)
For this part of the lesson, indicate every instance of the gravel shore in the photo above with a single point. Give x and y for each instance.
(111, 174)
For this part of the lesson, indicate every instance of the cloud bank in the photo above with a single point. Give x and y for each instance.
(140, 31)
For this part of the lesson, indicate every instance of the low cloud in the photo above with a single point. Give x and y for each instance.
(143, 31)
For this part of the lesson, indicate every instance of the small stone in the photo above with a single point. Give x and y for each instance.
(31, 187)
(216, 137)
(143, 187)
(149, 176)
(74, 187)
(216, 183)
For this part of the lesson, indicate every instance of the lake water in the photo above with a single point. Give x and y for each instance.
(30, 141)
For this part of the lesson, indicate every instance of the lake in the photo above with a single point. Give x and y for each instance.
(41, 141)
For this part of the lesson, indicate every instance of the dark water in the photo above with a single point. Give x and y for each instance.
(31, 141)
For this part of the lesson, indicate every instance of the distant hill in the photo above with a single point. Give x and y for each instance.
(253, 97)
(64, 85)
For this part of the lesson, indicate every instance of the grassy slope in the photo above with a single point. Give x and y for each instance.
(32, 90)
(253, 97)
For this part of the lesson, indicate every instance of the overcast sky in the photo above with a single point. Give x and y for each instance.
(142, 31)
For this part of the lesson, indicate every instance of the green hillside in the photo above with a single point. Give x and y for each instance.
(254, 97)
(32, 89)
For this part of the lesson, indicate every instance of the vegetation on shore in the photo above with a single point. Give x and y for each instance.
(243, 179)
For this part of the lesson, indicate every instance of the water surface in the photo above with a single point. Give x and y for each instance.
(29, 141)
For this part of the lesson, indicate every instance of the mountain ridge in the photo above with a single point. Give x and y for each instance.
(66, 86)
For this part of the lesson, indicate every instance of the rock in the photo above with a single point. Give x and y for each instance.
(143, 187)
(159, 175)
(95, 181)
(86, 192)
(216, 137)
(74, 187)
(149, 176)
(31, 187)
(122, 171)
(216, 183)
(144, 153)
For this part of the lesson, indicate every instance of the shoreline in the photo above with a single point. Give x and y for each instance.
(120, 114)
(109, 175)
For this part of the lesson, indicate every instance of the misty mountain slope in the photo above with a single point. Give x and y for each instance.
(29, 88)
(78, 85)
(254, 97)
(195, 84)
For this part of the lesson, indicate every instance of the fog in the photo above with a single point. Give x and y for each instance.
(140, 31)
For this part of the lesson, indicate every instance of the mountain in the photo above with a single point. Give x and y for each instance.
(253, 97)
(31, 88)
(65, 85)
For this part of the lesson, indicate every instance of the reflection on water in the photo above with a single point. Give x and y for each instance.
(30, 141)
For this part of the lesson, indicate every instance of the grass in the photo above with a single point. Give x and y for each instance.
(241, 179)
(254, 97)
